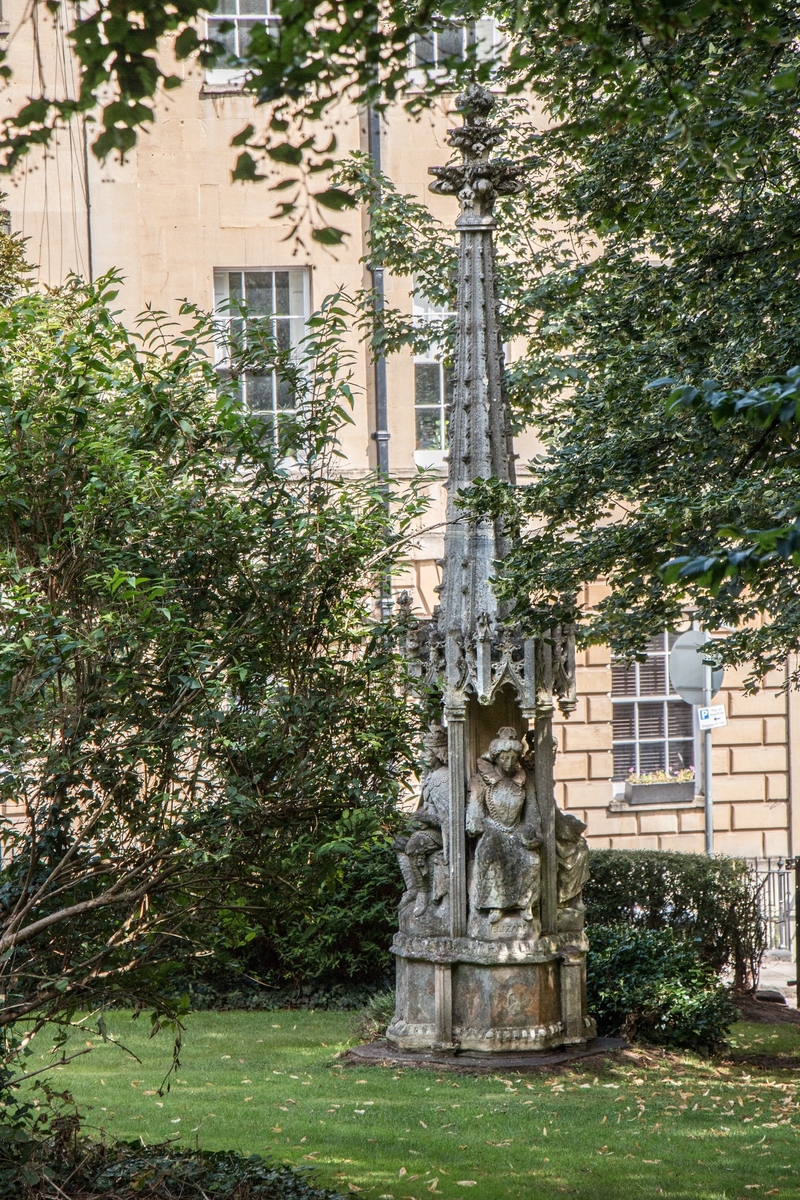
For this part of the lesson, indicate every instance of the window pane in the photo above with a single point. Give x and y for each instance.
(286, 393)
(624, 726)
(623, 681)
(656, 644)
(424, 51)
(429, 429)
(282, 335)
(485, 38)
(235, 291)
(427, 384)
(259, 391)
(624, 761)
(253, 8)
(651, 720)
(226, 37)
(226, 6)
(244, 30)
(282, 293)
(651, 757)
(681, 755)
(681, 723)
(652, 677)
(447, 385)
(451, 41)
(258, 293)
(297, 293)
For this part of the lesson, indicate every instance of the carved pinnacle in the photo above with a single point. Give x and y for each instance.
(477, 180)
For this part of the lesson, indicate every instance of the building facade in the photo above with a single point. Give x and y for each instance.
(174, 224)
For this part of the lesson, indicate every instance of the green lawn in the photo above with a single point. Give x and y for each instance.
(267, 1083)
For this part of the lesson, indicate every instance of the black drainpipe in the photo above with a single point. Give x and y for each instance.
(381, 432)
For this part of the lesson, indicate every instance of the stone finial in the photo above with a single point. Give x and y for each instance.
(477, 180)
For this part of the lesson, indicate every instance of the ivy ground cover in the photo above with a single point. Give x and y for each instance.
(643, 1125)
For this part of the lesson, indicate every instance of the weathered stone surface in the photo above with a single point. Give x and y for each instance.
(523, 1005)
(491, 952)
(423, 855)
(506, 869)
(453, 950)
(382, 1054)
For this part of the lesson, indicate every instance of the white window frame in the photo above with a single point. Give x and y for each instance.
(230, 76)
(295, 321)
(425, 312)
(486, 37)
(666, 697)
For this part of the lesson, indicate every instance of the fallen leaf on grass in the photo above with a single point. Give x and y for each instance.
(651, 1162)
(433, 1185)
(466, 1183)
(354, 1187)
(424, 1126)
(276, 1129)
(247, 1099)
(402, 1172)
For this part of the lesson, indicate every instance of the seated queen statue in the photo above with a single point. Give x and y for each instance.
(506, 870)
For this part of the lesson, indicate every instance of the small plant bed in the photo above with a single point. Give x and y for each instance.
(763, 1012)
(136, 1172)
(649, 1123)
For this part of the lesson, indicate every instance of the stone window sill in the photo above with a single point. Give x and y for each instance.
(209, 91)
(620, 805)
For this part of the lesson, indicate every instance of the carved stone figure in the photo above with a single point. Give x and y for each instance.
(572, 855)
(423, 855)
(506, 870)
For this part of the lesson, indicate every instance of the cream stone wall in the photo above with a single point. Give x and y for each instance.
(751, 780)
(170, 215)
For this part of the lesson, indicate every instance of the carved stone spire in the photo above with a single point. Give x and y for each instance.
(491, 950)
(479, 430)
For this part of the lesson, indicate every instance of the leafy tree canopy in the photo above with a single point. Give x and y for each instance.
(651, 253)
(191, 677)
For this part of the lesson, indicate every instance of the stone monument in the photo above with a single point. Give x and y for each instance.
(491, 950)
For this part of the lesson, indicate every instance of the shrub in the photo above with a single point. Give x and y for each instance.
(374, 1018)
(652, 984)
(712, 902)
(129, 1170)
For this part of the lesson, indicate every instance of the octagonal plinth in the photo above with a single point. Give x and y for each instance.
(505, 996)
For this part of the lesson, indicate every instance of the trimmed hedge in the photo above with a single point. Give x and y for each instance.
(329, 947)
(710, 902)
(651, 984)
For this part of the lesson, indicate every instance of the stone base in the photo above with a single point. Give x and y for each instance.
(381, 1054)
(490, 996)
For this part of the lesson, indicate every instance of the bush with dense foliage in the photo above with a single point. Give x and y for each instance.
(31, 1169)
(325, 942)
(324, 926)
(199, 709)
(651, 984)
(712, 902)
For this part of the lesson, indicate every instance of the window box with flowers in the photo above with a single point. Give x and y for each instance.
(660, 787)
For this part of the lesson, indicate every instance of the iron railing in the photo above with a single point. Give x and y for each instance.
(776, 880)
